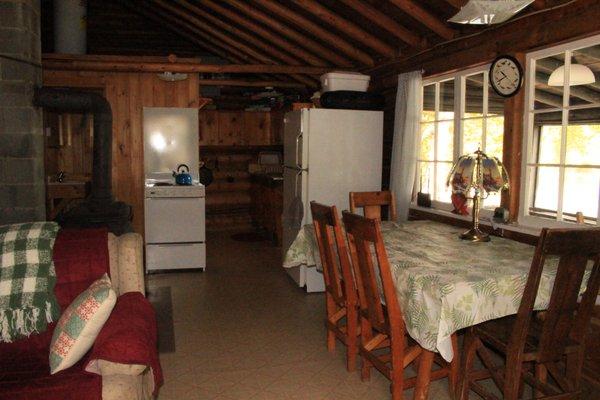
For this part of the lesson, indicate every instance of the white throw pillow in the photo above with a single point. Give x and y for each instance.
(80, 324)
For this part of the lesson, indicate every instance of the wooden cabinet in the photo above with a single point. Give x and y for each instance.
(240, 128)
(267, 205)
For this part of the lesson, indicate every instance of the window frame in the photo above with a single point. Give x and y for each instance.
(531, 135)
(460, 82)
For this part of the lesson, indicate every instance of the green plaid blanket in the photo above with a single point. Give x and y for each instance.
(27, 278)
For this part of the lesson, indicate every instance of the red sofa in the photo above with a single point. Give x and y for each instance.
(124, 359)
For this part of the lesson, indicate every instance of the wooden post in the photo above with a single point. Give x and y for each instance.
(514, 113)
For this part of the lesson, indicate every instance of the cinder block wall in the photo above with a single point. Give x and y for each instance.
(22, 189)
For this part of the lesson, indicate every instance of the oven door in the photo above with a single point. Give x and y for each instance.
(174, 219)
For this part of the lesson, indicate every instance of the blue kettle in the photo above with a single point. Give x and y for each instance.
(182, 178)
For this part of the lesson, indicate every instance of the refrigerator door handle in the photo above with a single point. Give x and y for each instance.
(298, 174)
(298, 156)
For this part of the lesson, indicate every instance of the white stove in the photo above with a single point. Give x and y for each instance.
(173, 215)
(174, 221)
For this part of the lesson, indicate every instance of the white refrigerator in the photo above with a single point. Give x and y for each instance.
(327, 154)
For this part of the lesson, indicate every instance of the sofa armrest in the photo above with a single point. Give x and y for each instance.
(127, 343)
(130, 263)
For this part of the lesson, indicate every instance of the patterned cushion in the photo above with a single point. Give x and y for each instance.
(80, 324)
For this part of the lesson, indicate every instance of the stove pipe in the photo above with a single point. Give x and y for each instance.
(66, 100)
(100, 209)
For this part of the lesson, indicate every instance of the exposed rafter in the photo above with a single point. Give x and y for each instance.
(217, 33)
(385, 22)
(317, 30)
(425, 17)
(287, 31)
(263, 33)
(348, 27)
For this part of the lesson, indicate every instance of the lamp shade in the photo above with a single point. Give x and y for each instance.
(488, 12)
(479, 172)
(580, 75)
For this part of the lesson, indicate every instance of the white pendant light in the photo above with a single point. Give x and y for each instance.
(488, 12)
(580, 75)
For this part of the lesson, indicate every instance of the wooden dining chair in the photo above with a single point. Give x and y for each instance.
(340, 291)
(372, 202)
(384, 344)
(545, 352)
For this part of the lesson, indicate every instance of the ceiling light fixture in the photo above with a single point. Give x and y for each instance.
(580, 75)
(488, 12)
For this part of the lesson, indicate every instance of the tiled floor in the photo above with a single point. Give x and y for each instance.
(244, 331)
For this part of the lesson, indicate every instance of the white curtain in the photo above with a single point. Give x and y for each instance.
(407, 120)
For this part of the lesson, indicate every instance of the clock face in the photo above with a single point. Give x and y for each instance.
(506, 76)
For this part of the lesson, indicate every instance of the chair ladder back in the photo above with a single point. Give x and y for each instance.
(324, 222)
(564, 314)
(362, 236)
(371, 203)
(574, 249)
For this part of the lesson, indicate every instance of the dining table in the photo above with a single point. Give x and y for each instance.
(443, 283)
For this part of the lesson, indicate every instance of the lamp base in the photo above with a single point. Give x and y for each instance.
(475, 235)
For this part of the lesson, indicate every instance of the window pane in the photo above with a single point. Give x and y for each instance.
(446, 100)
(549, 144)
(474, 96)
(443, 192)
(445, 146)
(426, 180)
(546, 188)
(494, 137)
(492, 201)
(426, 148)
(429, 103)
(584, 93)
(583, 138)
(547, 96)
(581, 191)
(472, 135)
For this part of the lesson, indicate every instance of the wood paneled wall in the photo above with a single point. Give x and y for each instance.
(127, 94)
(239, 128)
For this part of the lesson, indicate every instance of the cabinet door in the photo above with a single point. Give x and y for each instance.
(257, 128)
(208, 127)
(230, 128)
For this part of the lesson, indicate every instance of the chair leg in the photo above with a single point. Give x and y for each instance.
(365, 335)
(330, 340)
(470, 347)
(352, 340)
(541, 374)
(397, 391)
(423, 375)
(454, 367)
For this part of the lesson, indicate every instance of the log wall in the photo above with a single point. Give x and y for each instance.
(127, 94)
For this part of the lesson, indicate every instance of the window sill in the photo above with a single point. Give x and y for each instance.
(483, 220)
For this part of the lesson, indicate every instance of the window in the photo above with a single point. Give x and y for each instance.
(461, 113)
(562, 166)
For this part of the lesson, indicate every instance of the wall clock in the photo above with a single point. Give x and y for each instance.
(506, 76)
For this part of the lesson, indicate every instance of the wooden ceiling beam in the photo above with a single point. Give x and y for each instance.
(425, 17)
(269, 50)
(80, 63)
(287, 31)
(387, 23)
(318, 31)
(256, 29)
(249, 83)
(229, 54)
(347, 27)
(559, 24)
(457, 3)
(221, 49)
(215, 32)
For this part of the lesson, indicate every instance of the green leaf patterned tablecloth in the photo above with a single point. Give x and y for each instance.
(443, 283)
